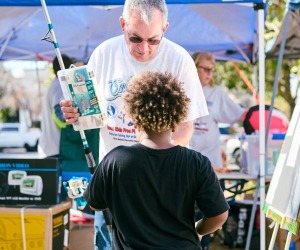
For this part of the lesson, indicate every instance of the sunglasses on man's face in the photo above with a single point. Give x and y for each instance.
(150, 41)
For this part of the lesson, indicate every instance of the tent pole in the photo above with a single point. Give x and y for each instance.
(6, 42)
(240, 50)
(262, 179)
(14, 30)
(276, 80)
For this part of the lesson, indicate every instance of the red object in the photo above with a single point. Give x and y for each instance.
(76, 219)
(80, 217)
(279, 121)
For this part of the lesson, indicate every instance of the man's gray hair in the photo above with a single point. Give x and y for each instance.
(145, 7)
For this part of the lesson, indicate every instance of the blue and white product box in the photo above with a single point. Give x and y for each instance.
(30, 181)
(77, 84)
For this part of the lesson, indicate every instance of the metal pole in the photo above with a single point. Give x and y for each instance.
(252, 217)
(276, 80)
(261, 47)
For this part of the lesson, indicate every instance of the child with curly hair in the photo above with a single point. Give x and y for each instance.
(151, 187)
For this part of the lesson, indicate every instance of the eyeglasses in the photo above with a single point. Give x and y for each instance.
(150, 41)
(206, 69)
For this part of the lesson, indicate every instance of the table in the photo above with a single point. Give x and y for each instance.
(239, 176)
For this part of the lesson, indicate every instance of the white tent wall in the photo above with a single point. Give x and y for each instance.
(230, 30)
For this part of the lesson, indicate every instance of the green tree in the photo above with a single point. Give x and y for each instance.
(228, 76)
(276, 12)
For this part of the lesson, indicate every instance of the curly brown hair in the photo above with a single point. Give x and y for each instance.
(155, 101)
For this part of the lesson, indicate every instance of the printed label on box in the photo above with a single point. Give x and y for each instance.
(29, 181)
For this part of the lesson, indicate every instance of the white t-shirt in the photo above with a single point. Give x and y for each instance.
(50, 136)
(113, 66)
(206, 137)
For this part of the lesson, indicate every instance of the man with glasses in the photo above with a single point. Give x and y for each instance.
(142, 47)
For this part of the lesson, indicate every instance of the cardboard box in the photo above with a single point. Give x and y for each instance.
(82, 236)
(29, 181)
(38, 228)
(281, 240)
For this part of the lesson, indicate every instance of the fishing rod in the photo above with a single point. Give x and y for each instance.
(73, 183)
(88, 153)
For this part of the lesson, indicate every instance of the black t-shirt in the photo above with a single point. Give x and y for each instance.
(151, 194)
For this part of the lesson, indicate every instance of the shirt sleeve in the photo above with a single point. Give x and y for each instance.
(210, 197)
(230, 111)
(95, 192)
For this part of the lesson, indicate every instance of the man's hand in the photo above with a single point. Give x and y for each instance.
(70, 113)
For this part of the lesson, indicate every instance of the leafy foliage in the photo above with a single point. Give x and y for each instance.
(228, 76)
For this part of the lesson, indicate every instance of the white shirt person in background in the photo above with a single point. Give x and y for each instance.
(222, 109)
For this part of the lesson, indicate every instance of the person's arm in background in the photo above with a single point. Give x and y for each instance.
(183, 134)
(210, 225)
(58, 117)
(224, 169)
(243, 116)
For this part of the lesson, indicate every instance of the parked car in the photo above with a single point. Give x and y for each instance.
(17, 135)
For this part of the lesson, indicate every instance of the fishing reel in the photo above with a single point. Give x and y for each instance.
(75, 188)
